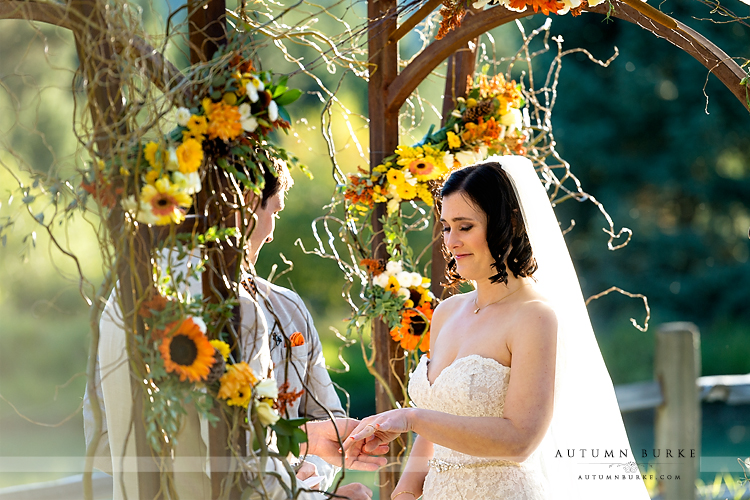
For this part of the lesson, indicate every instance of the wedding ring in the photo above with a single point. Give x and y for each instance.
(373, 427)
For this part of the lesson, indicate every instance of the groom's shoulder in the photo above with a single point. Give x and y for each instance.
(279, 295)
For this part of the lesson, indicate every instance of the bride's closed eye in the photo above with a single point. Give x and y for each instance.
(463, 228)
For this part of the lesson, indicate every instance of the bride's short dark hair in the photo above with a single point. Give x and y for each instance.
(488, 188)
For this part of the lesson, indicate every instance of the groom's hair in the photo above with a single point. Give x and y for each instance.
(277, 178)
(489, 189)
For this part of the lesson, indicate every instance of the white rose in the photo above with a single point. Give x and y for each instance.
(201, 324)
(416, 279)
(273, 111)
(244, 110)
(267, 389)
(380, 280)
(404, 292)
(465, 158)
(172, 163)
(249, 124)
(393, 267)
(251, 91)
(513, 119)
(188, 183)
(393, 205)
(182, 116)
(266, 414)
(448, 160)
(404, 278)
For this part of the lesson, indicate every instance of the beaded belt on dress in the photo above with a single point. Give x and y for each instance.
(443, 466)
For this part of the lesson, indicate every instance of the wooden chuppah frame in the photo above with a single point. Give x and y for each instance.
(207, 32)
(388, 90)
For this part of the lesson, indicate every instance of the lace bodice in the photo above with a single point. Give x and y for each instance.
(472, 386)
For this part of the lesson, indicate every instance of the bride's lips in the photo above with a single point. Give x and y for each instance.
(460, 256)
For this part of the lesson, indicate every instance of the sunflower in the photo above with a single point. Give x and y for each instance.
(189, 156)
(186, 351)
(164, 202)
(237, 384)
(414, 330)
(224, 121)
(393, 285)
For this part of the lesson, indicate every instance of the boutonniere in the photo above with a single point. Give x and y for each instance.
(297, 339)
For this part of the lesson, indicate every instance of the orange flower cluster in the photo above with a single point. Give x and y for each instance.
(237, 384)
(359, 190)
(486, 132)
(496, 86)
(297, 339)
(374, 266)
(414, 331)
(224, 122)
(453, 12)
(286, 397)
(546, 6)
(102, 190)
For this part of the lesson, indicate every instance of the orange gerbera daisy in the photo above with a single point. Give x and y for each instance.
(187, 351)
(224, 121)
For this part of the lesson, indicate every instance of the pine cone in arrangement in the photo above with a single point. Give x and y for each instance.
(215, 148)
(483, 108)
(217, 369)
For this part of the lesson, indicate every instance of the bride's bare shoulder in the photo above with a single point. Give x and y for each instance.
(450, 305)
(538, 316)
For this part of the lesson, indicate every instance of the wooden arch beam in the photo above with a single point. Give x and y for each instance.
(703, 50)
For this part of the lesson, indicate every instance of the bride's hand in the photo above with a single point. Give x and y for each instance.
(377, 430)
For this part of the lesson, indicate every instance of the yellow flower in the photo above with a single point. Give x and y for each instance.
(471, 102)
(198, 125)
(152, 176)
(222, 347)
(207, 104)
(380, 168)
(395, 177)
(406, 191)
(237, 384)
(149, 152)
(189, 156)
(165, 202)
(224, 122)
(186, 351)
(424, 194)
(453, 141)
(393, 285)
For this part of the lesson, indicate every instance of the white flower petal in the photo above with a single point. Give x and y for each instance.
(273, 111)
(267, 389)
(182, 116)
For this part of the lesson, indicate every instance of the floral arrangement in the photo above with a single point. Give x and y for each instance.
(184, 366)
(225, 120)
(453, 11)
(404, 300)
(488, 121)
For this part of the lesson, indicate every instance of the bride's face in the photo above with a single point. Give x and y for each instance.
(465, 236)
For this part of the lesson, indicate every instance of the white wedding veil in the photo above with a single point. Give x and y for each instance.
(586, 453)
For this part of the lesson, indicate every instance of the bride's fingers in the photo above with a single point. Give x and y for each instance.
(359, 434)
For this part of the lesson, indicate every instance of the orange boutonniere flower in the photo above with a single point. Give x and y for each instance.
(297, 339)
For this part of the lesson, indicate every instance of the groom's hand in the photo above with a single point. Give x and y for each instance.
(323, 441)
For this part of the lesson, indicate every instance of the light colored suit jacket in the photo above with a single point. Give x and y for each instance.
(265, 318)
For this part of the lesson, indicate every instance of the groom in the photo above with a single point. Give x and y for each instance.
(269, 313)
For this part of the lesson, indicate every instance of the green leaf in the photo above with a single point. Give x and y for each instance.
(284, 444)
(299, 436)
(288, 97)
(283, 114)
(216, 95)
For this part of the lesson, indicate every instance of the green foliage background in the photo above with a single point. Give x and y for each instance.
(635, 133)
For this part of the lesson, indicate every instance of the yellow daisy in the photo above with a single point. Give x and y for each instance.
(454, 141)
(189, 156)
(406, 191)
(395, 177)
(149, 152)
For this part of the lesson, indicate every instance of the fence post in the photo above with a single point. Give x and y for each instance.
(677, 366)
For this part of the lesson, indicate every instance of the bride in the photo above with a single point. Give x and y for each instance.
(515, 401)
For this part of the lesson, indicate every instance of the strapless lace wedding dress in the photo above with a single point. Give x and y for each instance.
(473, 386)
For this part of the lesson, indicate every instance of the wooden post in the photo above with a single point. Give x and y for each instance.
(383, 68)
(677, 367)
(460, 65)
